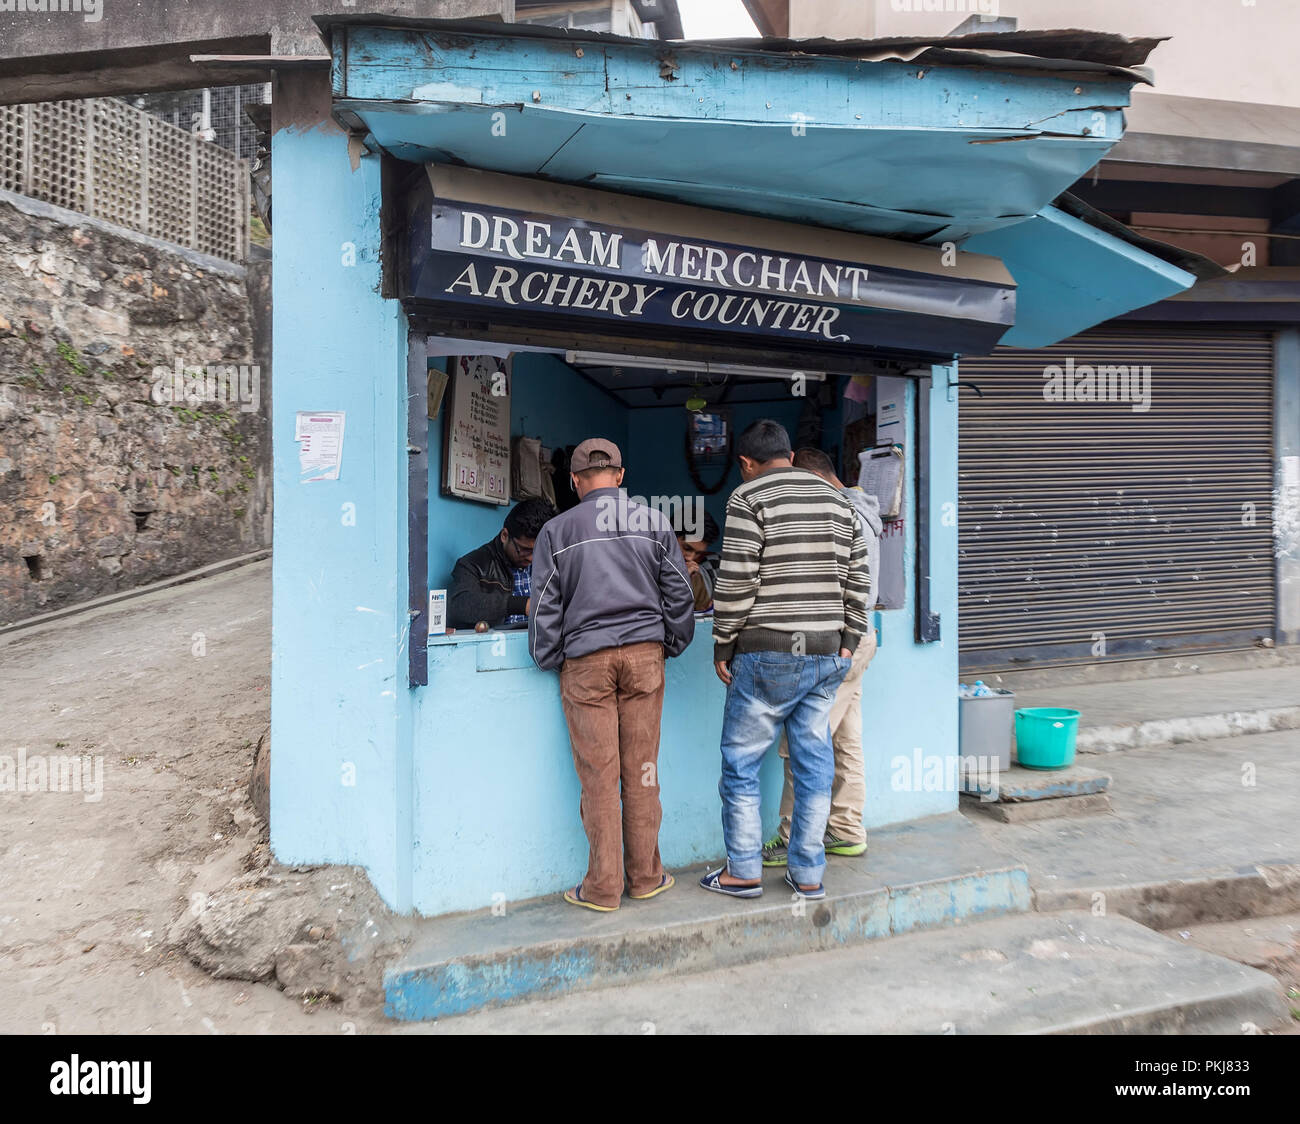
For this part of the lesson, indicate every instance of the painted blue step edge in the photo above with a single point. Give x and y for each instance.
(546, 970)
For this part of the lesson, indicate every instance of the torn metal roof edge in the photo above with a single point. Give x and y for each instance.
(1089, 50)
(1201, 267)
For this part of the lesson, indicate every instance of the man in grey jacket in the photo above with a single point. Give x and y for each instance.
(845, 834)
(611, 599)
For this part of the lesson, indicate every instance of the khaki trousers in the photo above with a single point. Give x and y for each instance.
(613, 701)
(849, 795)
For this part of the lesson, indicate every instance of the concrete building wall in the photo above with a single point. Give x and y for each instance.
(1232, 50)
(834, 19)
(91, 48)
(107, 480)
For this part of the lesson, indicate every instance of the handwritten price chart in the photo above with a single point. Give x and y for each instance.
(477, 440)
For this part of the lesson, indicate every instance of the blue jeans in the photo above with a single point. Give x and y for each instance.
(768, 690)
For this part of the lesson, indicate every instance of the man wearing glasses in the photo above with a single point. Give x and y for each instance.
(494, 582)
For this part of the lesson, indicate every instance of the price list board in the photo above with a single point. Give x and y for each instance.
(476, 438)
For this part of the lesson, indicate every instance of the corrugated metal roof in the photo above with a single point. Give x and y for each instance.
(1062, 52)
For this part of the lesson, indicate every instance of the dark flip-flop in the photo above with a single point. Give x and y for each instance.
(574, 897)
(812, 895)
(713, 881)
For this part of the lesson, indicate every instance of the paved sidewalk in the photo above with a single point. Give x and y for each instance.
(1114, 704)
(1203, 811)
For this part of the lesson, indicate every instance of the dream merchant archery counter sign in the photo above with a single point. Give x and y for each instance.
(473, 260)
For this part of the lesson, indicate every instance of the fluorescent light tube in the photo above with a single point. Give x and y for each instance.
(601, 359)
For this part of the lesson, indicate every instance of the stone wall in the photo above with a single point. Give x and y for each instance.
(112, 475)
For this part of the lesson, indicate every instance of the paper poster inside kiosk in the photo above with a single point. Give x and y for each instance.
(881, 472)
(476, 438)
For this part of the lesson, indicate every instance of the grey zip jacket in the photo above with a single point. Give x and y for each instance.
(606, 573)
(867, 508)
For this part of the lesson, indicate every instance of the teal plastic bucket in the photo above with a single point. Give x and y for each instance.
(1045, 736)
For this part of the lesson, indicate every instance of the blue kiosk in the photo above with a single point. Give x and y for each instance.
(816, 234)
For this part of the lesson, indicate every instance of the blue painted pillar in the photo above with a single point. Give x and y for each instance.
(909, 693)
(340, 729)
(1286, 496)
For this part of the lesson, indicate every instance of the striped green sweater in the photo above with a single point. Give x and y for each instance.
(794, 574)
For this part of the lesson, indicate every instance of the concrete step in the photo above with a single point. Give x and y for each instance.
(1020, 785)
(1018, 794)
(1159, 732)
(1089, 804)
(1068, 973)
(932, 872)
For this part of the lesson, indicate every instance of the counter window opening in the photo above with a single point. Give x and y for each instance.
(556, 399)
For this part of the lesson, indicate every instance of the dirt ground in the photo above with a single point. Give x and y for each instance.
(172, 690)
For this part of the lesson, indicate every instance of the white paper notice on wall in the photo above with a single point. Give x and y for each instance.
(1291, 472)
(320, 445)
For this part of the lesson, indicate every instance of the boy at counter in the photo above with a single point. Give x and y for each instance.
(700, 568)
(494, 582)
(612, 601)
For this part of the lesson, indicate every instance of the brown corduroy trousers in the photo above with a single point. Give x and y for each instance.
(613, 701)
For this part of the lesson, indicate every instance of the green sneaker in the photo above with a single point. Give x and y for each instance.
(774, 851)
(836, 846)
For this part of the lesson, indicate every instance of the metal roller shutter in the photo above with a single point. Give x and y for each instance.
(1088, 530)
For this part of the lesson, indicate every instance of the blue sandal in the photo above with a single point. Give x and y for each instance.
(713, 881)
(811, 895)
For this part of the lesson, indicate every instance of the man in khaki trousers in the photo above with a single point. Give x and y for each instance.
(845, 834)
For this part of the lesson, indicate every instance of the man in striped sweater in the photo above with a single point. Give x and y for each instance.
(789, 608)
